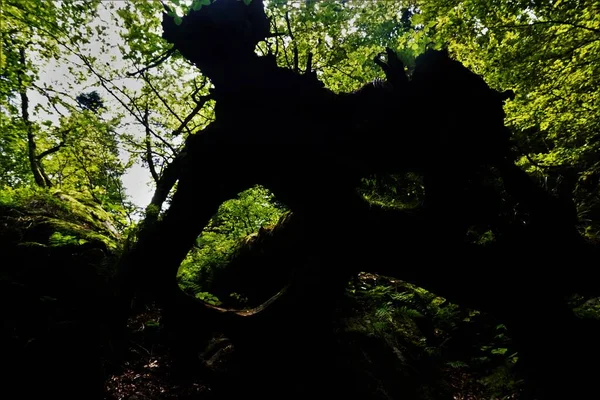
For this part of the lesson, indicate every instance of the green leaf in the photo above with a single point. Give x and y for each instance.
(205, 2)
(196, 5)
(177, 20)
(247, 2)
(500, 351)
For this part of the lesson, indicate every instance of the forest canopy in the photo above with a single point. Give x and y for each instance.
(417, 177)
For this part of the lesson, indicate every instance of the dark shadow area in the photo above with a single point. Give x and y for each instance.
(360, 259)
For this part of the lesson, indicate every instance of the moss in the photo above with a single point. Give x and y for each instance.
(36, 215)
(81, 232)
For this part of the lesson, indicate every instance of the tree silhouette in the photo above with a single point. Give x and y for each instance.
(312, 151)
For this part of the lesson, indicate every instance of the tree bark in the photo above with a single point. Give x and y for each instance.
(148, 142)
(314, 167)
(39, 175)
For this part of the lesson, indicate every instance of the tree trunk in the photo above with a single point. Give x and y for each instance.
(553, 343)
(314, 166)
(148, 143)
(39, 175)
(148, 270)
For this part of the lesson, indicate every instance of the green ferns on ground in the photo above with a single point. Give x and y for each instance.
(429, 334)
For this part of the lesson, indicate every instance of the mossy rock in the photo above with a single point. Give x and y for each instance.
(57, 244)
(56, 284)
(41, 216)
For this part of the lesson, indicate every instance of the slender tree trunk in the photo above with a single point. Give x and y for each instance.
(149, 158)
(167, 180)
(39, 175)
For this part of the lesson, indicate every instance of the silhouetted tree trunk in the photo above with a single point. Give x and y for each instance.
(315, 165)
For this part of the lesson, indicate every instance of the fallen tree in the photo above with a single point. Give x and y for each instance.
(318, 147)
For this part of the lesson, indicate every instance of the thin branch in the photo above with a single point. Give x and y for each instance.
(82, 166)
(44, 92)
(295, 48)
(46, 178)
(262, 51)
(41, 179)
(199, 105)
(166, 7)
(147, 80)
(154, 63)
(198, 88)
(532, 161)
(345, 73)
(276, 35)
(104, 82)
(148, 141)
(287, 60)
(50, 151)
(309, 63)
(51, 102)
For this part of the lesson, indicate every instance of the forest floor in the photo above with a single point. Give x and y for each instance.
(147, 372)
(148, 375)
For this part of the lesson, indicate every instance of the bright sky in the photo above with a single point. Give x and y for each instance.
(137, 180)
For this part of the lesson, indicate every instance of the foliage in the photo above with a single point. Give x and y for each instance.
(90, 101)
(86, 142)
(53, 217)
(60, 239)
(70, 140)
(90, 159)
(193, 289)
(169, 106)
(14, 168)
(235, 220)
(343, 37)
(586, 308)
(428, 326)
(142, 97)
(554, 117)
(398, 191)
